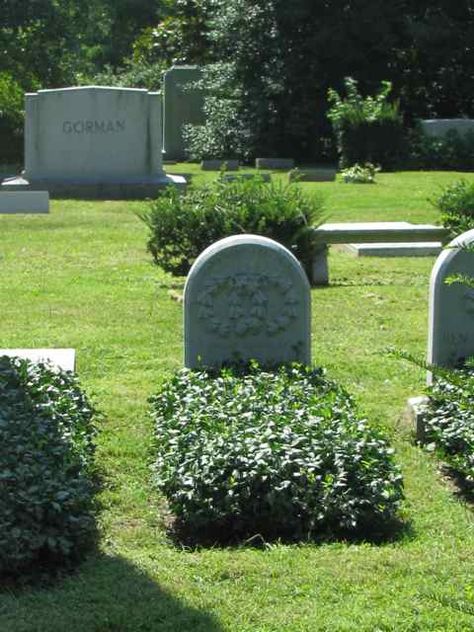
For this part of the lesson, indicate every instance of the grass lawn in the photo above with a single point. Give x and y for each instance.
(81, 278)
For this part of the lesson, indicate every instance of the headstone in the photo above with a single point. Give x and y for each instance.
(24, 202)
(322, 174)
(246, 297)
(63, 358)
(217, 165)
(274, 163)
(183, 105)
(451, 307)
(94, 142)
(232, 177)
(439, 127)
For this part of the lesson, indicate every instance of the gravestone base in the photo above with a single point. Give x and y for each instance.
(398, 249)
(24, 202)
(131, 190)
(63, 358)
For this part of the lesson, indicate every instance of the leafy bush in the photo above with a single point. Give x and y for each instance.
(183, 225)
(46, 465)
(367, 129)
(281, 454)
(456, 204)
(360, 174)
(451, 151)
(449, 419)
(11, 119)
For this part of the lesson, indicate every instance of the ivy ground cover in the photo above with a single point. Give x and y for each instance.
(81, 277)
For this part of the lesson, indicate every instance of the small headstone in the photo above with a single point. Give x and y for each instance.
(24, 202)
(274, 163)
(246, 297)
(216, 165)
(440, 127)
(451, 309)
(312, 175)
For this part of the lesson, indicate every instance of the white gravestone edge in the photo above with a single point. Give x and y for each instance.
(437, 282)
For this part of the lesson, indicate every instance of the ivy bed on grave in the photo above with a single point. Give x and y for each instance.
(245, 452)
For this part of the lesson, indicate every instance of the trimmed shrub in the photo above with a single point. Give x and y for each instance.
(456, 204)
(450, 152)
(46, 466)
(280, 454)
(367, 129)
(183, 225)
(449, 420)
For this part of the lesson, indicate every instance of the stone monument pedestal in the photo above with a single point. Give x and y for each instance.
(93, 142)
(127, 190)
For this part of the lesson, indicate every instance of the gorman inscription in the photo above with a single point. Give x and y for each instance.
(93, 127)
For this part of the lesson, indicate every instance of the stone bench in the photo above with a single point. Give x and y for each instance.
(367, 232)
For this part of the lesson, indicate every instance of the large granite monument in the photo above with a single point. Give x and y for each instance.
(182, 104)
(246, 297)
(451, 309)
(96, 142)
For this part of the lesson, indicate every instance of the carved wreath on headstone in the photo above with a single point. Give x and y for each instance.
(247, 304)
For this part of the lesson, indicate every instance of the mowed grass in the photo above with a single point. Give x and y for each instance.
(80, 277)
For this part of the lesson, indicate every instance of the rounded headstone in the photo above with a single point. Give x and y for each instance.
(451, 310)
(246, 298)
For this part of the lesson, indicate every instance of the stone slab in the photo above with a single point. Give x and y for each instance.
(397, 249)
(95, 191)
(182, 105)
(274, 163)
(439, 127)
(451, 306)
(24, 202)
(217, 165)
(265, 177)
(63, 358)
(246, 297)
(312, 175)
(365, 232)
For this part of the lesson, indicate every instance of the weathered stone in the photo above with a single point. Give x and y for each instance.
(439, 127)
(312, 175)
(63, 358)
(451, 307)
(217, 165)
(246, 297)
(265, 177)
(400, 249)
(24, 202)
(274, 163)
(182, 105)
(100, 141)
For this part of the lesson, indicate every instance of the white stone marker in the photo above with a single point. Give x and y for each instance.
(24, 202)
(96, 140)
(63, 358)
(246, 297)
(451, 309)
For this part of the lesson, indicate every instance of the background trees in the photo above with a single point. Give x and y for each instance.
(275, 60)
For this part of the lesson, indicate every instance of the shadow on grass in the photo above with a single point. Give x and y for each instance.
(222, 536)
(104, 594)
(462, 488)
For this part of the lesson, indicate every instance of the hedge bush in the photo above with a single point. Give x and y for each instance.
(367, 129)
(46, 466)
(449, 420)
(182, 225)
(277, 453)
(451, 151)
(456, 204)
